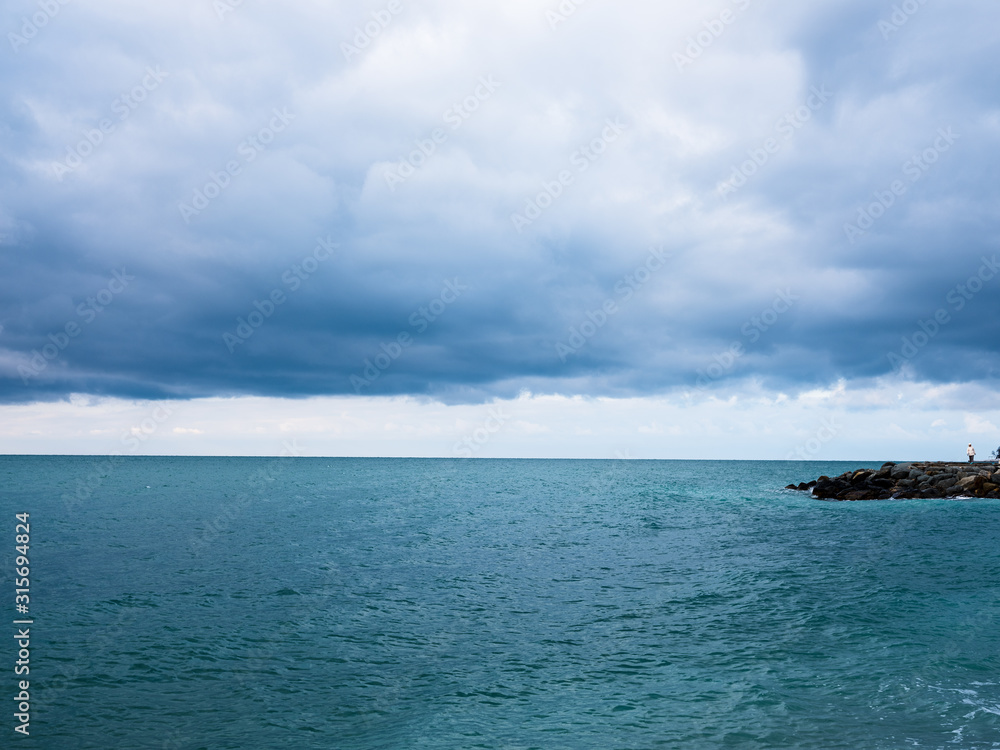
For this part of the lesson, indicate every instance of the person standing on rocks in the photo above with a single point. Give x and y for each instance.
(971, 453)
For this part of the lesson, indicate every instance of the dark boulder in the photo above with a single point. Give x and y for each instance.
(861, 476)
(855, 495)
(970, 484)
(945, 480)
(829, 489)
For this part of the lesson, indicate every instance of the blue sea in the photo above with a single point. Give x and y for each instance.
(510, 604)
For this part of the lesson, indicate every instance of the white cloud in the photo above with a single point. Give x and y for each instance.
(866, 425)
(977, 425)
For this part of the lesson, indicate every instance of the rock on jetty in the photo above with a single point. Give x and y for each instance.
(931, 479)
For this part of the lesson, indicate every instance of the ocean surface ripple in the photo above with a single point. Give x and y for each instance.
(394, 603)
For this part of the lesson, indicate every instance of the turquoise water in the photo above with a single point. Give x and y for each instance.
(344, 603)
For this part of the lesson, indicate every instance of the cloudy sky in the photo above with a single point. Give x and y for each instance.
(734, 229)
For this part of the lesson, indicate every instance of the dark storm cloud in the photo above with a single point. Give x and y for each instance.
(206, 159)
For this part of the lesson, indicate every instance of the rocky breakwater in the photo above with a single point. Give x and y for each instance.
(914, 480)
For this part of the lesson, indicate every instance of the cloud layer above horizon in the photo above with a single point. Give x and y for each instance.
(219, 198)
